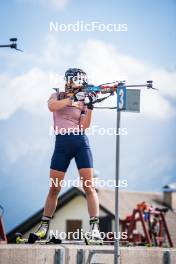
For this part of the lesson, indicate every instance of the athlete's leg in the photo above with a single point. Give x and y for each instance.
(84, 162)
(50, 205)
(59, 164)
(51, 202)
(86, 175)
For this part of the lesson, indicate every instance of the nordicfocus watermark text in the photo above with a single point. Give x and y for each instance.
(81, 26)
(80, 234)
(94, 183)
(94, 129)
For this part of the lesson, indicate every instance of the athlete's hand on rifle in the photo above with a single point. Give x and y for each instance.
(80, 96)
(89, 100)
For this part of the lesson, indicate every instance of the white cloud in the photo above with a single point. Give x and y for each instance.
(103, 62)
(166, 81)
(155, 105)
(50, 55)
(54, 53)
(27, 91)
(30, 90)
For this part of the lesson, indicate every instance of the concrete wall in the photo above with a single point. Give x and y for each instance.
(81, 254)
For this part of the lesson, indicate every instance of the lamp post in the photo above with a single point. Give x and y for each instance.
(128, 100)
(12, 45)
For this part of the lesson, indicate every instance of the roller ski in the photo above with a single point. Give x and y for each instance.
(87, 240)
(40, 236)
(21, 240)
(93, 237)
(41, 233)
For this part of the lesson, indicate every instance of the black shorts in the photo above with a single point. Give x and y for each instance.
(70, 146)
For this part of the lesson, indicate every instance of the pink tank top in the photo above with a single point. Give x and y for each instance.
(67, 117)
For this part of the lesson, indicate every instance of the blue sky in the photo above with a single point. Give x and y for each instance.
(155, 21)
(145, 51)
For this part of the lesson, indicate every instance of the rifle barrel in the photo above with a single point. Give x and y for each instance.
(137, 85)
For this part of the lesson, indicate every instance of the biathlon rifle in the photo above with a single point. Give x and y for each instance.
(89, 90)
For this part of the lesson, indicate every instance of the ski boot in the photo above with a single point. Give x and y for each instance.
(40, 234)
(94, 237)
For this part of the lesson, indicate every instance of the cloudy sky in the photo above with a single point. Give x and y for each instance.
(145, 51)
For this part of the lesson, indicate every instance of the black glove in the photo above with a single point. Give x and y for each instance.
(90, 106)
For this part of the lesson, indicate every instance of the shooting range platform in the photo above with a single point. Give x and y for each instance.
(82, 254)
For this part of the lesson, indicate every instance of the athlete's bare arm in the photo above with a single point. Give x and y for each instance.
(86, 120)
(54, 104)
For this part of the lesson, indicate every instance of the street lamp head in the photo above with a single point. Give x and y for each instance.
(13, 39)
(149, 84)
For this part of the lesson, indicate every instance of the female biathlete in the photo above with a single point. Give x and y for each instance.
(69, 113)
